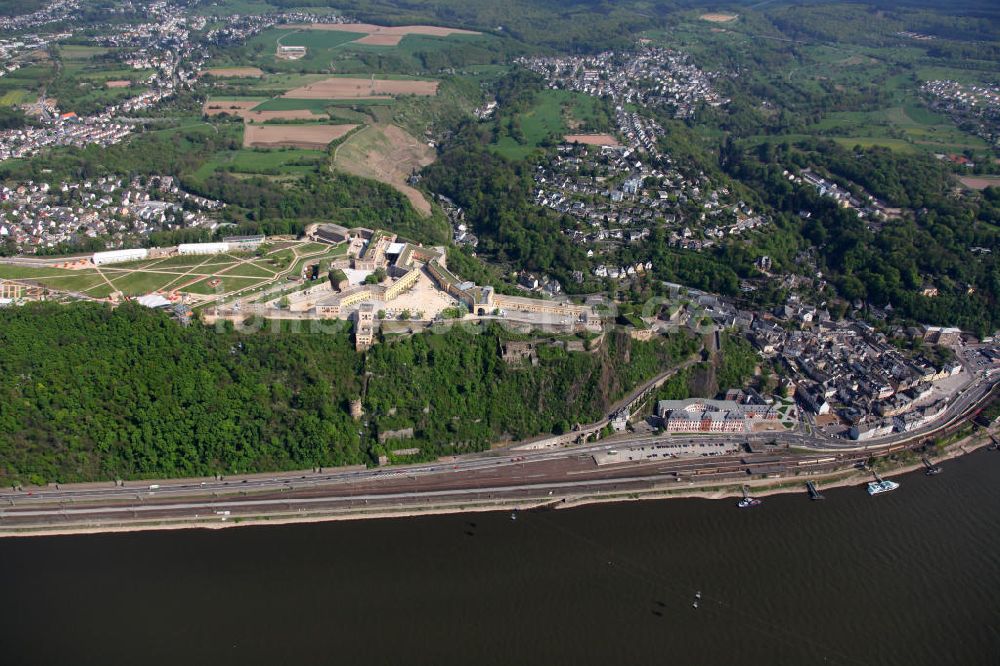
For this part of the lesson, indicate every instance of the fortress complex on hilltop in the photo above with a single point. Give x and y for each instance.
(405, 263)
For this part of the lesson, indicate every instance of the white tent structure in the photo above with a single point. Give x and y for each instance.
(119, 256)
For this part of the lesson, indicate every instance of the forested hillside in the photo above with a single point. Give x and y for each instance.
(89, 392)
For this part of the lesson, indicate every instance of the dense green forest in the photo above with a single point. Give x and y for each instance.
(456, 388)
(95, 393)
(90, 392)
(11, 118)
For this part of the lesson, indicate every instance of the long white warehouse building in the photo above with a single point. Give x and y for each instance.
(202, 248)
(119, 256)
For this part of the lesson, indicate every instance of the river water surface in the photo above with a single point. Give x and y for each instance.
(909, 577)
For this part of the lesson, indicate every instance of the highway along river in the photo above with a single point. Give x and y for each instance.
(907, 577)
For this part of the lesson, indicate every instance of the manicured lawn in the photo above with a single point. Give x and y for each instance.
(178, 262)
(101, 290)
(16, 272)
(228, 284)
(84, 282)
(140, 282)
(64, 280)
(250, 270)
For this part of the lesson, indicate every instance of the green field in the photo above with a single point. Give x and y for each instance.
(314, 39)
(141, 282)
(170, 263)
(228, 284)
(17, 272)
(16, 96)
(909, 127)
(274, 162)
(867, 142)
(550, 116)
(54, 278)
(254, 270)
(335, 51)
(230, 7)
(320, 48)
(957, 74)
(286, 104)
(104, 75)
(81, 52)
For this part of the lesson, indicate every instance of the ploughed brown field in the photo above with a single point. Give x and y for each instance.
(718, 17)
(980, 182)
(118, 84)
(223, 72)
(245, 111)
(344, 88)
(380, 39)
(592, 139)
(314, 137)
(370, 29)
(291, 114)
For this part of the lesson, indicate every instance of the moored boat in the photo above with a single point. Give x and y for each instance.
(881, 486)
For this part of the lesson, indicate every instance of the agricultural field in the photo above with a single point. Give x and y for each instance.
(719, 17)
(592, 139)
(309, 137)
(980, 182)
(233, 107)
(388, 154)
(321, 48)
(354, 88)
(22, 85)
(399, 31)
(81, 52)
(267, 86)
(281, 164)
(344, 99)
(314, 106)
(348, 49)
(249, 110)
(235, 72)
(16, 96)
(909, 128)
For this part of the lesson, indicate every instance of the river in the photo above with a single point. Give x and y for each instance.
(909, 577)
